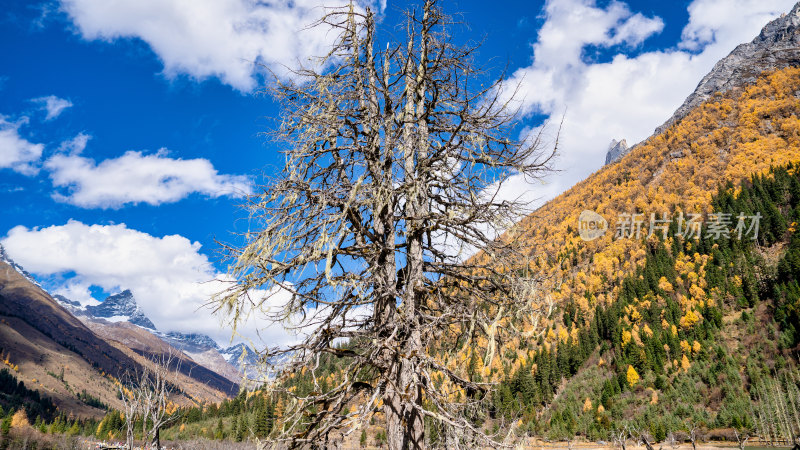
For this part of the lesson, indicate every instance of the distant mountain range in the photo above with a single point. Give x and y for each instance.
(94, 344)
(76, 360)
(235, 362)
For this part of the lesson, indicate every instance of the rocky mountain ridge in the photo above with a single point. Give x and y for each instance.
(616, 150)
(233, 362)
(119, 309)
(776, 47)
(7, 259)
(240, 356)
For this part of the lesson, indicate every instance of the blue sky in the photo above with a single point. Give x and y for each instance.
(129, 129)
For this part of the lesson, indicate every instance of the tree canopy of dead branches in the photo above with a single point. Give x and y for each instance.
(395, 163)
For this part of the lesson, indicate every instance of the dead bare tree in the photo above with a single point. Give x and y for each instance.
(620, 437)
(157, 390)
(394, 167)
(643, 437)
(146, 395)
(742, 437)
(672, 441)
(131, 405)
(694, 434)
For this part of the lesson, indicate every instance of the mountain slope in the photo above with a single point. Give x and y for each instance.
(40, 337)
(643, 329)
(118, 317)
(776, 47)
(55, 352)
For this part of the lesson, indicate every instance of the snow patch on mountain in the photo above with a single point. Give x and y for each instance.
(190, 342)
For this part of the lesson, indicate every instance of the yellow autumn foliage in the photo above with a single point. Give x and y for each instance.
(690, 319)
(626, 337)
(633, 376)
(19, 419)
(650, 179)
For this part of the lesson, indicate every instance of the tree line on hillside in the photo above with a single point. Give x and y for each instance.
(662, 359)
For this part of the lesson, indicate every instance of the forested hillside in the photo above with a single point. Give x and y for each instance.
(669, 332)
(675, 334)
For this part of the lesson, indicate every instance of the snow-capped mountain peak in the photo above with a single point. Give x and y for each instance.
(240, 355)
(121, 307)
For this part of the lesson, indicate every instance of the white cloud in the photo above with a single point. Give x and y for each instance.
(628, 96)
(76, 145)
(53, 105)
(16, 152)
(137, 178)
(227, 39)
(169, 276)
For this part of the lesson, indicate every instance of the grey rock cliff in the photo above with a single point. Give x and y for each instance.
(616, 150)
(776, 47)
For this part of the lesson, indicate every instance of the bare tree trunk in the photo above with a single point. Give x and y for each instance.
(693, 431)
(131, 404)
(741, 438)
(406, 428)
(157, 438)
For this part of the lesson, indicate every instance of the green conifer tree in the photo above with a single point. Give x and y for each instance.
(219, 434)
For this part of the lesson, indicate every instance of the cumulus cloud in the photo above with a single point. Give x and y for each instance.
(169, 276)
(136, 178)
(53, 105)
(227, 39)
(633, 93)
(16, 152)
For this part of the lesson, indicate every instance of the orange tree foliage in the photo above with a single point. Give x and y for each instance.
(726, 139)
(656, 305)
